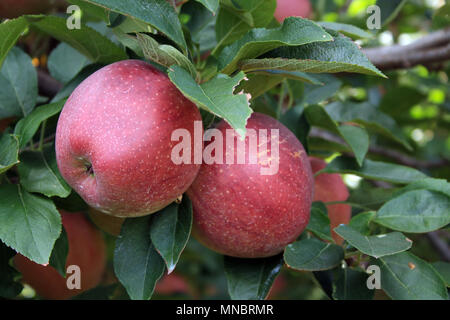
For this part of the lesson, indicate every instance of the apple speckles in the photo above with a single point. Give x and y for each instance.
(122, 117)
(241, 213)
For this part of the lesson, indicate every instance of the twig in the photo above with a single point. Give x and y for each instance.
(382, 151)
(434, 47)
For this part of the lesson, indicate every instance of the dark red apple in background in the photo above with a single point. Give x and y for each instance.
(241, 213)
(15, 8)
(329, 187)
(4, 123)
(173, 284)
(292, 8)
(86, 250)
(113, 139)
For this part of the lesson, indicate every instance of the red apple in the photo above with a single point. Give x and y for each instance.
(113, 139)
(86, 250)
(292, 8)
(242, 213)
(331, 188)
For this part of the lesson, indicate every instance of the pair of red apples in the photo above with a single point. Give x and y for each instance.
(114, 146)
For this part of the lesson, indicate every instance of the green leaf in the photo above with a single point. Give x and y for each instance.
(375, 246)
(361, 222)
(350, 284)
(158, 13)
(18, 85)
(59, 253)
(28, 224)
(438, 185)
(170, 230)
(313, 255)
(64, 63)
(137, 264)
(10, 31)
(443, 268)
(416, 211)
(9, 152)
(346, 29)
(39, 172)
(406, 277)
(164, 54)
(293, 32)
(374, 170)
(356, 137)
(8, 287)
(216, 96)
(389, 9)
(251, 279)
(340, 55)
(92, 44)
(91, 10)
(233, 22)
(315, 93)
(370, 117)
(211, 5)
(26, 128)
(319, 222)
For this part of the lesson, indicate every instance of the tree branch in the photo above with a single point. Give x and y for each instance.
(382, 151)
(434, 47)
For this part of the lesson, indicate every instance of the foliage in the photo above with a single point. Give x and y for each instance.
(390, 134)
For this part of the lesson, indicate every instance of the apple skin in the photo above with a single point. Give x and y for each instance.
(292, 8)
(173, 284)
(86, 249)
(241, 213)
(119, 122)
(329, 187)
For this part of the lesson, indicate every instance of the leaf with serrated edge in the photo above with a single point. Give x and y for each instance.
(313, 255)
(27, 127)
(293, 32)
(164, 54)
(251, 279)
(376, 246)
(406, 277)
(10, 31)
(340, 55)
(29, 224)
(9, 151)
(137, 264)
(39, 172)
(86, 40)
(216, 96)
(415, 211)
(158, 13)
(170, 230)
